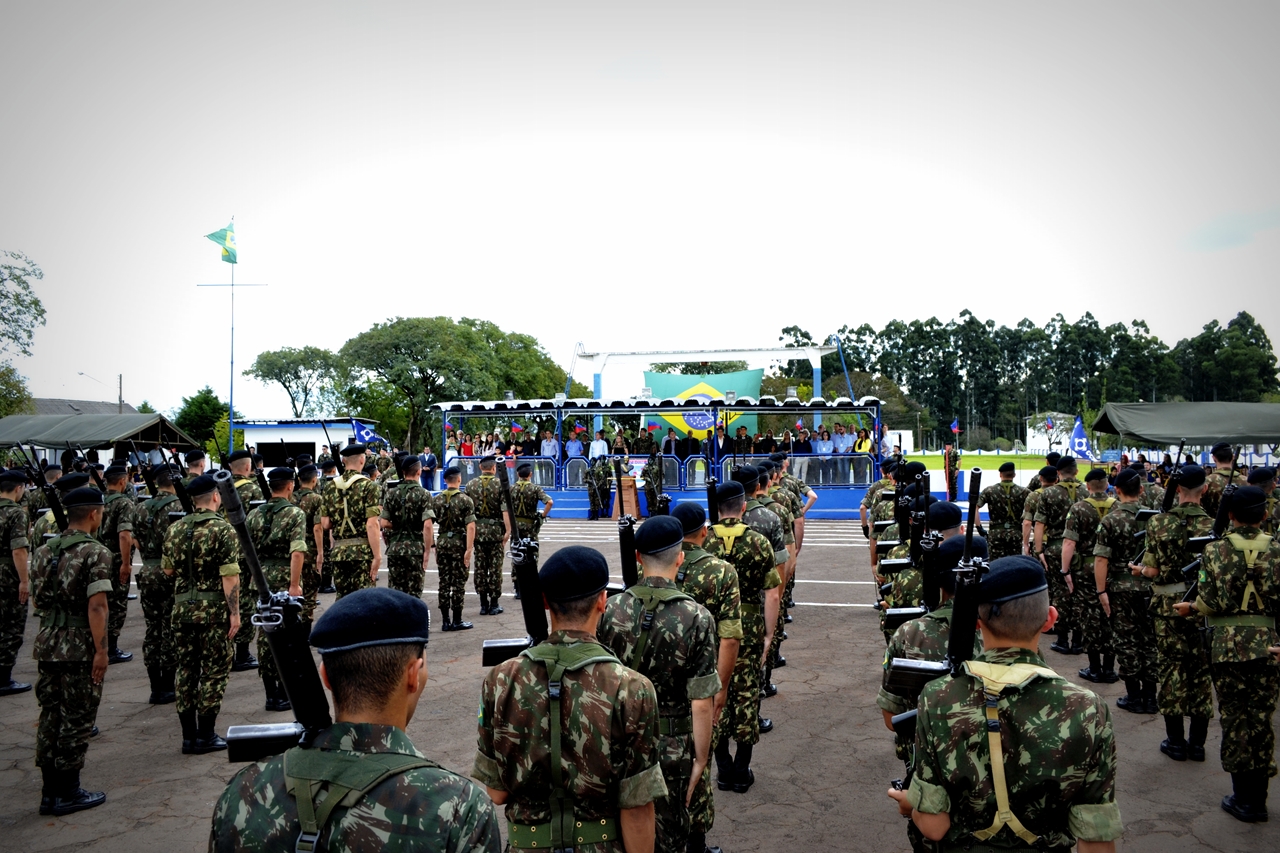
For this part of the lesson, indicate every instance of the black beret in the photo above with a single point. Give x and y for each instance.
(731, 491)
(1261, 476)
(67, 482)
(573, 572)
(778, 457)
(524, 468)
(303, 459)
(1140, 467)
(950, 553)
(944, 515)
(352, 449)
(1222, 448)
(1010, 578)
(409, 460)
(12, 478)
(194, 456)
(369, 470)
(238, 455)
(1095, 474)
(328, 465)
(98, 466)
(116, 471)
(746, 474)
(306, 472)
(202, 485)
(166, 472)
(1052, 457)
(658, 534)
(886, 467)
(911, 470)
(1065, 463)
(692, 516)
(1191, 477)
(1008, 468)
(452, 471)
(1247, 498)
(489, 460)
(257, 457)
(83, 497)
(54, 467)
(376, 616)
(1126, 476)
(1049, 472)
(279, 475)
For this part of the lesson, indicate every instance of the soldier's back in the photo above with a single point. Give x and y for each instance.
(65, 572)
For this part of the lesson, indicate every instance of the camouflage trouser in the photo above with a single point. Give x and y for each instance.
(907, 591)
(453, 571)
(650, 499)
(350, 576)
(1003, 542)
(1186, 687)
(13, 616)
(671, 816)
(155, 591)
(592, 495)
(702, 806)
(68, 706)
(248, 606)
(1093, 619)
(277, 573)
(1246, 701)
(117, 601)
(603, 494)
(405, 573)
(740, 719)
(310, 587)
(1132, 635)
(204, 664)
(1059, 596)
(488, 557)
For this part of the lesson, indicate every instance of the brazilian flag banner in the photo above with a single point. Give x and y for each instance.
(667, 386)
(226, 238)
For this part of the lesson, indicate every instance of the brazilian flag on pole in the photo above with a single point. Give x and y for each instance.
(226, 238)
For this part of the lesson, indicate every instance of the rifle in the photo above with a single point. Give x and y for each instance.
(664, 500)
(713, 506)
(1171, 487)
(617, 473)
(524, 562)
(50, 493)
(145, 469)
(1191, 571)
(627, 549)
(277, 616)
(93, 471)
(178, 486)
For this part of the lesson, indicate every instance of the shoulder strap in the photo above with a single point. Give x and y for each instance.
(59, 544)
(652, 598)
(1102, 506)
(691, 558)
(729, 533)
(1251, 548)
(347, 779)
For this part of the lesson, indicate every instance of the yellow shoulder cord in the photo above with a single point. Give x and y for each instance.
(729, 534)
(342, 486)
(995, 678)
(1102, 506)
(1251, 548)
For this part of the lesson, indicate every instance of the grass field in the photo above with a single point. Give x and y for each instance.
(1031, 462)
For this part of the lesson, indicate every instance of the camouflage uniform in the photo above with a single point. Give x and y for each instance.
(311, 504)
(278, 530)
(1152, 496)
(643, 444)
(1239, 585)
(13, 614)
(906, 585)
(66, 572)
(713, 583)
(679, 657)
(249, 491)
(46, 524)
(649, 475)
(787, 518)
(1052, 509)
(1004, 502)
(155, 588)
(1058, 753)
(1083, 521)
(609, 756)
(349, 502)
(755, 559)
(486, 495)
(593, 496)
(1029, 512)
(525, 497)
(953, 473)
(454, 511)
(603, 483)
(201, 549)
(1132, 634)
(766, 522)
(422, 808)
(408, 508)
(117, 517)
(1182, 663)
(1214, 483)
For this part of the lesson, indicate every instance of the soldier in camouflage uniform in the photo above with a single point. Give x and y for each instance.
(279, 532)
(456, 517)
(650, 476)
(1152, 494)
(117, 534)
(1004, 502)
(1048, 476)
(1239, 595)
(1125, 596)
(643, 444)
(780, 503)
(491, 536)
(578, 766)
(1048, 736)
(417, 805)
(351, 512)
(805, 497)
(713, 583)
(1182, 662)
(756, 559)
(1223, 456)
(46, 525)
(1051, 521)
(307, 499)
(15, 589)
(246, 485)
(71, 580)
(1037, 481)
(593, 495)
(759, 516)
(1265, 479)
(1079, 538)
(872, 497)
(410, 524)
(525, 497)
(664, 634)
(202, 551)
(155, 588)
(602, 468)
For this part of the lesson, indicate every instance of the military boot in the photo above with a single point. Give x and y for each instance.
(1109, 674)
(1248, 800)
(161, 694)
(1077, 641)
(1150, 705)
(1175, 745)
(115, 655)
(515, 587)
(458, 624)
(484, 605)
(188, 720)
(49, 788)
(244, 659)
(445, 623)
(1093, 672)
(1133, 701)
(8, 687)
(1063, 644)
(1196, 739)
(207, 739)
(745, 777)
(494, 607)
(277, 700)
(724, 766)
(72, 798)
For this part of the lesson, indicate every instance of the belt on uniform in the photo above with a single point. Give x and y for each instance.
(537, 836)
(675, 725)
(524, 520)
(754, 609)
(988, 848)
(1169, 588)
(275, 562)
(197, 595)
(1241, 620)
(63, 619)
(1126, 583)
(452, 532)
(350, 542)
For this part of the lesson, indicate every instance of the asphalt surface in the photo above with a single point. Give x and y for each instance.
(821, 775)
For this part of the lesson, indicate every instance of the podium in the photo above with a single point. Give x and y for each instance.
(627, 500)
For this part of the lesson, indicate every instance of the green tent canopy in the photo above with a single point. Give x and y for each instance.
(1198, 423)
(62, 431)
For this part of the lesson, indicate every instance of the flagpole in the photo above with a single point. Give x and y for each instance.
(231, 391)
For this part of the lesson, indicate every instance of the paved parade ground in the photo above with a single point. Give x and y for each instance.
(821, 775)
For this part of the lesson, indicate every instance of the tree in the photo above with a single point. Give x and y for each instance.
(146, 408)
(20, 309)
(699, 368)
(301, 372)
(199, 414)
(15, 398)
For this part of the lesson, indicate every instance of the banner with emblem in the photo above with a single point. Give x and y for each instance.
(698, 422)
(1080, 445)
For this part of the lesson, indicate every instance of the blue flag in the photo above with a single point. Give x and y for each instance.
(365, 434)
(955, 426)
(1080, 446)
(1048, 423)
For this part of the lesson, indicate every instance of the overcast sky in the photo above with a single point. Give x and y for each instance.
(635, 176)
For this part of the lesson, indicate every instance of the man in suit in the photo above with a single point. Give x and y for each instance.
(670, 444)
(722, 444)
